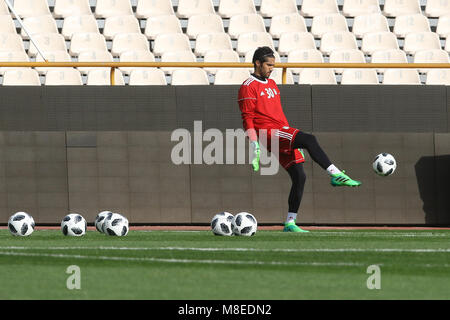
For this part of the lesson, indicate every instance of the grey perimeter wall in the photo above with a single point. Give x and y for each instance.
(88, 149)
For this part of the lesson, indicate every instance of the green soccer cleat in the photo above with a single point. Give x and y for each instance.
(292, 227)
(341, 179)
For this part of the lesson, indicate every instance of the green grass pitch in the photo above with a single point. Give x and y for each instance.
(188, 265)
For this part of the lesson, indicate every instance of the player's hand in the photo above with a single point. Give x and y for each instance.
(256, 153)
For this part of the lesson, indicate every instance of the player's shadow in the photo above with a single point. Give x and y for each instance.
(433, 177)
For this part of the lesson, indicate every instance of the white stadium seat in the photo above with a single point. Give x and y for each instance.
(63, 77)
(437, 8)
(151, 8)
(251, 40)
(277, 76)
(87, 41)
(111, 8)
(359, 76)
(443, 26)
(14, 56)
(421, 41)
(38, 25)
(135, 56)
(147, 77)
(31, 8)
(331, 22)
(67, 8)
(189, 76)
(21, 77)
(220, 56)
(52, 56)
(290, 41)
(4, 10)
(161, 25)
(94, 56)
(394, 8)
(204, 23)
(292, 22)
(229, 8)
(431, 56)
(353, 8)
(401, 76)
(231, 76)
(270, 8)
(171, 42)
(337, 40)
(102, 77)
(311, 8)
(212, 41)
(129, 41)
(389, 56)
(120, 24)
(317, 76)
(176, 56)
(374, 22)
(410, 23)
(304, 56)
(346, 56)
(10, 42)
(78, 24)
(188, 8)
(373, 41)
(47, 42)
(245, 23)
(7, 24)
(438, 77)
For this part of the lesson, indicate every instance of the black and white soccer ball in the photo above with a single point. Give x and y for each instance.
(73, 225)
(221, 224)
(116, 225)
(244, 224)
(21, 224)
(384, 164)
(100, 220)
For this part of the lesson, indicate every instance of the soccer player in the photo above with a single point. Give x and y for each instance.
(260, 105)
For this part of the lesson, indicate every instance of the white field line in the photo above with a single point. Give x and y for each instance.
(396, 250)
(187, 261)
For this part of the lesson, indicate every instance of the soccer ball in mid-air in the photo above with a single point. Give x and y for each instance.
(73, 225)
(100, 220)
(244, 224)
(21, 224)
(384, 164)
(221, 224)
(115, 225)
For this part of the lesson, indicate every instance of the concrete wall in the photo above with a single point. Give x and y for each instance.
(84, 150)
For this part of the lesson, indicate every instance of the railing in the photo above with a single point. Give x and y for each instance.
(283, 65)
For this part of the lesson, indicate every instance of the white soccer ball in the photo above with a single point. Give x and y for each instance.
(100, 220)
(384, 164)
(244, 224)
(21, 224)
(115, 225)
(73, 225)
(221, 224)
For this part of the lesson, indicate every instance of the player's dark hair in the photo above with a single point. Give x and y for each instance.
(261, 54)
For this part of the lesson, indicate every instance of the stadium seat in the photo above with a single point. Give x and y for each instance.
(110, 8)
(359, 76)
(135, 56)
(337, 40)
(102, 77)
(421, 41)
(245, 23)
(21, 77)
(4, 10)
(204, 23)
(374, 22)
(436, 8)
(212, 41)
(120, 24)
(11, 42)
(330, 22)
(317, 76)
(443, 26)
(304, 56)
(431, 56)
(373, 41)
(171, 42)
(290, 41)
(354, 8)
(94, 56)
(77, 24)
(34, 8)
(277, 76)
(129, 41)
(7, 24)
(14, 56)
(147, 77)
(438, 77)
(292, 22)
(63, 77)
(220, 56)
(47, 42)
(311, 8)
(410, 23)
(401, 76)
(251, 40)
(446, 46)
(38, 25)
(52, 56)
(87, 41)
(389, 56)
(394, 8)
(189, 76)
(270, 8)
(188, 8)
(346, 56)
(176, 56)
(229, 8)
(162, 24)
(231, 76)
(151, 8)
(67, 8)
